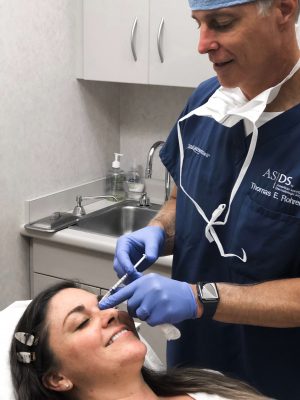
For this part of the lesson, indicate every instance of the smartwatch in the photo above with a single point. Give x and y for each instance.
(208, 296)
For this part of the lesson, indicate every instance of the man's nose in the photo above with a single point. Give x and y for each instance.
(207, 40)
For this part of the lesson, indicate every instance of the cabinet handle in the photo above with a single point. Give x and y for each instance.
(159, 35)
(132, 37)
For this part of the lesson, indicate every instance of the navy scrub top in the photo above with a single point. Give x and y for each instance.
(264, 220)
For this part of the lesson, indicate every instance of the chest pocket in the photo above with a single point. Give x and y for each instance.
(271, 239)
(278, 192)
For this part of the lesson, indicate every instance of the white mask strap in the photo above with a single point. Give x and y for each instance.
(210, 232)
(217, 108)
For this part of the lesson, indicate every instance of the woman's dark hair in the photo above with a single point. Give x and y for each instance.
(180, 381)
(27, 378)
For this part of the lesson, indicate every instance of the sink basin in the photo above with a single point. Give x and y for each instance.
(117, 219)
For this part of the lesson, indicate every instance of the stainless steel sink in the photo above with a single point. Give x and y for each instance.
(117, 219)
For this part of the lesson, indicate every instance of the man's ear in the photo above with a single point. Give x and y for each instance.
(57, 382)
(288, 9)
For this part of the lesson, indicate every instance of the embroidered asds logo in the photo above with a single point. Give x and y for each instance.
(278, 177)
(198, 151)
(282, 188)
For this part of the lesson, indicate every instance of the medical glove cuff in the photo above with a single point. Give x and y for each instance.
(192, 303)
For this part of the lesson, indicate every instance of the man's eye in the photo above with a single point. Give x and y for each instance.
(221, 25)
(82, 325)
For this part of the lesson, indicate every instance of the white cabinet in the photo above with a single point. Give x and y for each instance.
(113, 31)
(178, 40)
(141, 41)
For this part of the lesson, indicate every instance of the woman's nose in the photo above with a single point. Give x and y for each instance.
(207, 40)
(109, 316)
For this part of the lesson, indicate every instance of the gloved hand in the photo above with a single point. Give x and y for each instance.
(156, 300)
(131, 247)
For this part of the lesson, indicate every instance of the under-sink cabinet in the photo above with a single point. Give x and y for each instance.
(140, 41)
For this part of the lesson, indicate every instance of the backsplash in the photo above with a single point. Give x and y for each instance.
(147, 114)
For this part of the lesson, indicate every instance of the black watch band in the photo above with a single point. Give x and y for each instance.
(208, 296)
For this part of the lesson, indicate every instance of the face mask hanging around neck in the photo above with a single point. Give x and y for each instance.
(228, 107)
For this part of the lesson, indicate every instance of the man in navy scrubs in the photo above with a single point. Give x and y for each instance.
(233, 219)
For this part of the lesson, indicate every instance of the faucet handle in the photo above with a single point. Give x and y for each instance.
(78, 209)
(144, 200)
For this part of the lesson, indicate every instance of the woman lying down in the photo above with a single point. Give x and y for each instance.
(72, 350)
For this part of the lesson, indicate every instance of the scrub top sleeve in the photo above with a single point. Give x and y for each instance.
(169, 153)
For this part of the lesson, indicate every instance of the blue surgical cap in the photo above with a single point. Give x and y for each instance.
(213, 4)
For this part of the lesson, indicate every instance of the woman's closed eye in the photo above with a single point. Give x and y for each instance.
(83, 324)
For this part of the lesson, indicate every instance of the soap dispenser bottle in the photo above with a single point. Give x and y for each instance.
(115, 179)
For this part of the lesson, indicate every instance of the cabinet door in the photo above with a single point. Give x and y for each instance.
(115, 40)
(174, 58)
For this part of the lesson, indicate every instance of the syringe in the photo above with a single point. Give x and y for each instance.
(122, 280)
(169, 330)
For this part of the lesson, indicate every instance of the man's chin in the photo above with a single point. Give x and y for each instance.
(227, 84)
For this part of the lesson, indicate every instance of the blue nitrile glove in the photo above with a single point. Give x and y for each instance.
(156, 300)
(131, 247)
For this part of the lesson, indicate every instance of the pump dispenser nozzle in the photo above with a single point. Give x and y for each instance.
(115, 179)
(116, 162)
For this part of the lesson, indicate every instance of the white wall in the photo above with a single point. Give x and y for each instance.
(147, 115)
(55, 132)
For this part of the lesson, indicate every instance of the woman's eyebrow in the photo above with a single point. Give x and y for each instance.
(78, 309)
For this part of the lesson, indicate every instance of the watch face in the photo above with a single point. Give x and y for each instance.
(209, 291)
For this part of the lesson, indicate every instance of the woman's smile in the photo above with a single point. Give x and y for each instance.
(117, 336)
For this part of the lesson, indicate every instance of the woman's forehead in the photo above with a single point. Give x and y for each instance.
(74, 292)
(69, 298)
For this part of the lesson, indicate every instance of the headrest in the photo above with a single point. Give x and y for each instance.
(213, 4)
(9, 318)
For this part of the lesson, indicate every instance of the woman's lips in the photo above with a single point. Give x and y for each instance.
(116, 336)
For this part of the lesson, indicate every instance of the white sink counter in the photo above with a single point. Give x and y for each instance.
(86, 240)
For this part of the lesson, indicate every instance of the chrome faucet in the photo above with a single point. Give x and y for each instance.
(144, 200)
(79, 210)
(148, 170)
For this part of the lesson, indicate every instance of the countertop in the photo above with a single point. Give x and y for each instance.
(86, 240)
